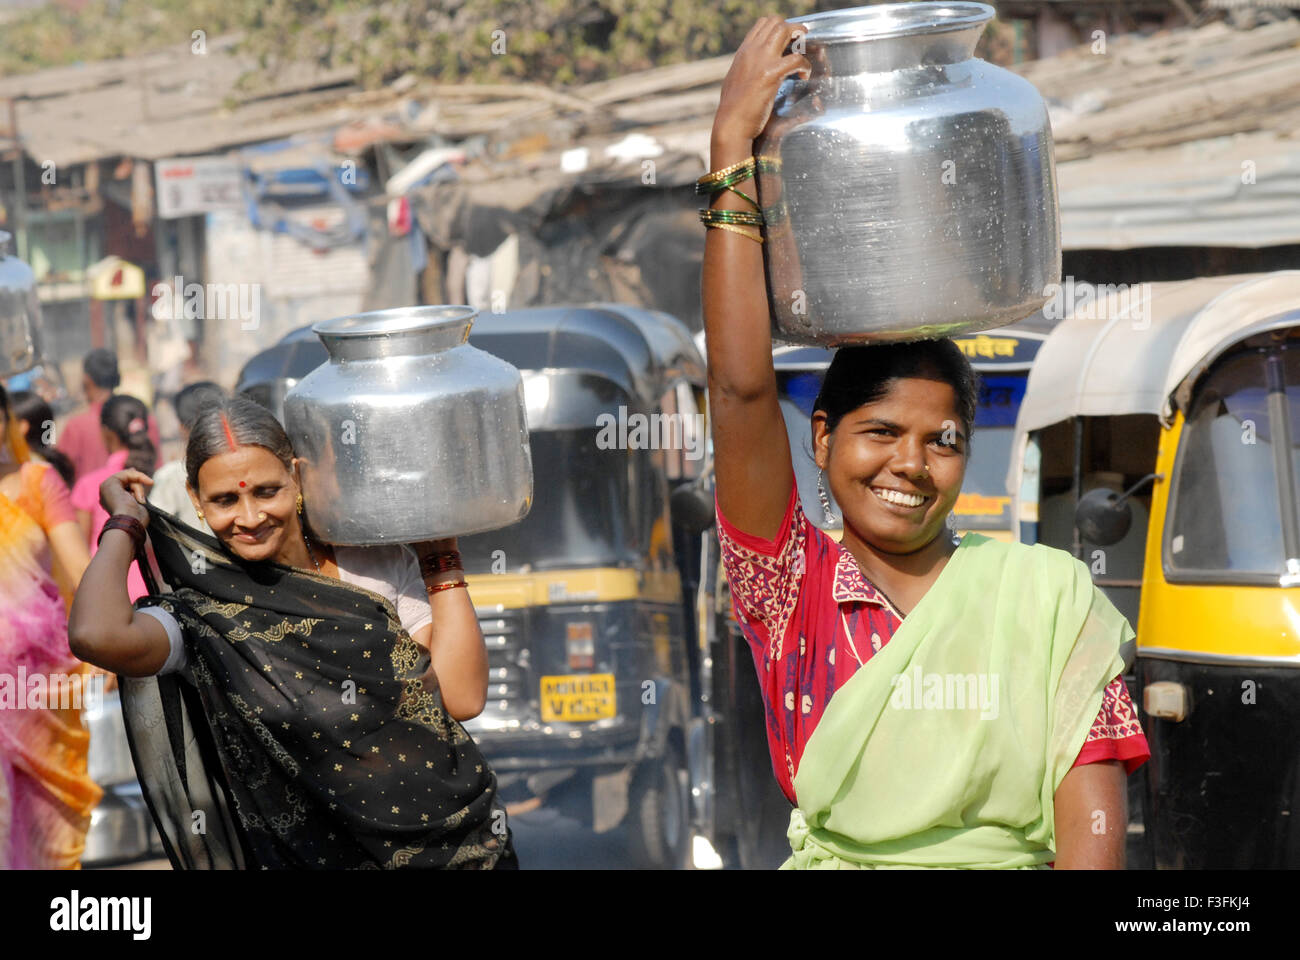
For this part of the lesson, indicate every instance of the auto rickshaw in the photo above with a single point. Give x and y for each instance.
(1159, 440)
(743, 814)
(269, 375)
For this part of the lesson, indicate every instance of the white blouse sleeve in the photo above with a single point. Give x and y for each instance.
(412, 600)
(176, 656)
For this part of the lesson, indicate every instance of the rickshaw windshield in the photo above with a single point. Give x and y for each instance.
(591, 507)
(1226, 514)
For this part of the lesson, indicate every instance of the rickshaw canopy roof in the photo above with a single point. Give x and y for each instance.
(1266, 302)
(1111, 358)
(1112, 361)
(644, 351)
(291, 358)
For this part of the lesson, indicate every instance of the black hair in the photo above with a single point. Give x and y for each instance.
(191, 400)
(32, 407)
(864, 374)
(100, 366)
(128, 419)
(238, 419)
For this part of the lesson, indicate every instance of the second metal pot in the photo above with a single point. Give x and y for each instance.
(409, 433)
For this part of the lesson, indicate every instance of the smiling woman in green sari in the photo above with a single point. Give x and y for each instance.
(929, 702)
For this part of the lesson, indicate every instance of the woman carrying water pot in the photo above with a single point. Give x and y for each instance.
(930, 702)
(325, 684)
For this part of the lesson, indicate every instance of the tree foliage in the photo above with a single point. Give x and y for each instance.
(551, 42)
(55, 35)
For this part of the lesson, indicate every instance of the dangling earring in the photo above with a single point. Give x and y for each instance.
(299, 504)
(826, 501)
(951, 523)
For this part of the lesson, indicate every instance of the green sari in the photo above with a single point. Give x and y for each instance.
(947, 747)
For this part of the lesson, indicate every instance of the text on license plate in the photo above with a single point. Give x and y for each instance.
(578, 696)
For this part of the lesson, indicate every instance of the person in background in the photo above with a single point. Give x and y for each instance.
(168, 490)
(36, 419)
(80, 438)
(46, 794)
(126, 437)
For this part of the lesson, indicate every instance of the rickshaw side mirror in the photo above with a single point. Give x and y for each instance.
(1102, 517)
(692, 508)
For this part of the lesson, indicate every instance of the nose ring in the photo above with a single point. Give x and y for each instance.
(261, 515)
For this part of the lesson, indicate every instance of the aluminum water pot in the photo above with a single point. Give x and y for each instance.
(909, 188)
(409, 433)
(20, 313)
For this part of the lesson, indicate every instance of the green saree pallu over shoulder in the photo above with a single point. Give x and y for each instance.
(305, 730)
(946, 749)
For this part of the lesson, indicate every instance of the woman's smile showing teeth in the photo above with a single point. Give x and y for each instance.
(898, 498)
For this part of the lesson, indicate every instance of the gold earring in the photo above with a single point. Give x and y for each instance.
(200, 513)
(299, 502)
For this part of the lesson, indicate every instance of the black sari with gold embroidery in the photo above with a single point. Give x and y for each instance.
(306, 730)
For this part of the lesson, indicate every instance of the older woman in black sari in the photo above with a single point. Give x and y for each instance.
(301, 702)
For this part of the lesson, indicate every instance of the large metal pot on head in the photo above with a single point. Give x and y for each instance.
(909, 188)
(409, 433)
(20, 313)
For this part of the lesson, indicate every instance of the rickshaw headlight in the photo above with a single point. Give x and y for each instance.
(1165, 699)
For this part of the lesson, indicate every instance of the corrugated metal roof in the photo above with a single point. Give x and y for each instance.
(1157, 138)
(1240, 4)
(1234, 191)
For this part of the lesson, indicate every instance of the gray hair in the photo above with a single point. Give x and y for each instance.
(231, 422)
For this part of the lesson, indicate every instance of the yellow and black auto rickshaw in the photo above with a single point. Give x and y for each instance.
(1159, 440)
(583, 604)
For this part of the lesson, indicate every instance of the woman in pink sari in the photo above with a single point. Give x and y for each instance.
(45, 793)
(124, 423)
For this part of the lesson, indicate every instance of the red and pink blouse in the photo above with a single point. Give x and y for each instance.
(812, 619)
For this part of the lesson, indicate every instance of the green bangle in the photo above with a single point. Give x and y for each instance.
(723, 183)
(739, 217)
(740, 193)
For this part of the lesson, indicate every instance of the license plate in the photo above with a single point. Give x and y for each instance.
(578, 697)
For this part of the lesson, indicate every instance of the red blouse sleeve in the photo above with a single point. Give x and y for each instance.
(1116, 734)
(765, 575)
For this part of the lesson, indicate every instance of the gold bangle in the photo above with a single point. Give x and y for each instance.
(717, 175)
(450, 585)
(743, 231)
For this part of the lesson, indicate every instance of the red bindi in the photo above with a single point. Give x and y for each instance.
(242, 484)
